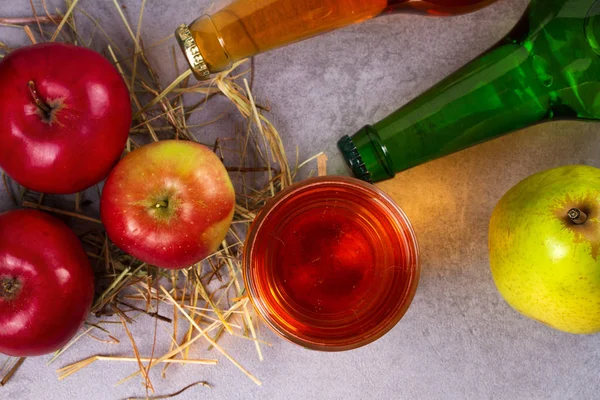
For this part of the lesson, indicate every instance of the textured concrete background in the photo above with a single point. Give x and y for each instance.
(459, 340)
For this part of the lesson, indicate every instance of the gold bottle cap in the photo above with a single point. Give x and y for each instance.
(192, 52)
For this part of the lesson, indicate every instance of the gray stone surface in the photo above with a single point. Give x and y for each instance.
(459, 340)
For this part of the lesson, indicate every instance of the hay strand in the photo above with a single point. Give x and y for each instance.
(209, 339)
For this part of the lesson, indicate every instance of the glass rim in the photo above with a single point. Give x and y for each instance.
(391, 209)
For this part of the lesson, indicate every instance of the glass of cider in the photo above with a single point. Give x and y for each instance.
(331, 263)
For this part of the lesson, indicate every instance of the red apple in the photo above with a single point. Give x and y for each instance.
(66, 115)
(46, 283)
(170, 203)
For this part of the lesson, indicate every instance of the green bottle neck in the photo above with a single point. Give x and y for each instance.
(370, 163)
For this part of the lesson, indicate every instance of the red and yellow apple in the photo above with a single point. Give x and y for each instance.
(65, 117)
(46, 283)
(169, 204)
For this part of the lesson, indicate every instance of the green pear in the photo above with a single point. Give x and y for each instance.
(544, 244)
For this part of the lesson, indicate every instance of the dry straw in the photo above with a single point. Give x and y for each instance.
(205, 302)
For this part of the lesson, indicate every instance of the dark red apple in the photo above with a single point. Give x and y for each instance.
(65, 116)
(46, 283)
(170, 203)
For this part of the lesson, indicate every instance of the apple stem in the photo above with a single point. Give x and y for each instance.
(577, 216)
(45, 108)
(162, 204)
(9, 288)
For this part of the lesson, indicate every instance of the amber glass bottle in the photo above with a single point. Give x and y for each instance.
(248, 27)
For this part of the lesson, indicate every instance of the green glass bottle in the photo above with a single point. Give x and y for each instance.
(547, 68)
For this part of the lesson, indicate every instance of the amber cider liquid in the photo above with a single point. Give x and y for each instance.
(248, 27)
(331, 265)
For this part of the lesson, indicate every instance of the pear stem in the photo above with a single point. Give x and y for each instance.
(577, 216)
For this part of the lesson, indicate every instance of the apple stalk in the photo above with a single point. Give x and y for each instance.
(162, 204)
(44, 108)
(9, 288)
